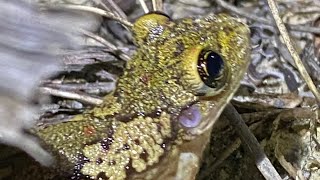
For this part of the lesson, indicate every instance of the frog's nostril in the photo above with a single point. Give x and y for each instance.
(190, 117)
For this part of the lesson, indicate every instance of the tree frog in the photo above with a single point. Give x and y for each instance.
(181, 77)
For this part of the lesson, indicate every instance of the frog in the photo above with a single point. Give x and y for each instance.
(172, 91)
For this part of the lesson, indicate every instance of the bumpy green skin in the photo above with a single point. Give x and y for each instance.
(137, 124)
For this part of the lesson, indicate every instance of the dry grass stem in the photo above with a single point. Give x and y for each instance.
(95, 10)
(103, 41)
(104, 6)
(101, 86)
(265, 21)
(157, 5)
(116, 9)
(251, 143)
(144, 6)
(71, 95)
(293, 52)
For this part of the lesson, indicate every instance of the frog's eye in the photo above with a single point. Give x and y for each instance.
(205, 71)
(210, 68)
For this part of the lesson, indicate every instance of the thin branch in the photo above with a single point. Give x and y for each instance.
(252, 145)
(116, 9)
(99, 39)
(251, 16)
(157, 5)
(95, 11)
(284, 33)
(71, 95)
(96, 86)
(99, 2)
(103, 41)
(144, 6)
(256, 119)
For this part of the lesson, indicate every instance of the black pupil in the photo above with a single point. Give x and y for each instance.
(214, 64)
(211, 69)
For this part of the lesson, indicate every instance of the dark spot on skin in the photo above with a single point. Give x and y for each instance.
(82, 159)
(110, 132)
(179, 48)
(137, 142)
(129, 165)
(105, 143)
(159, 111)
(112, 163)
(102, 175)
(77, 175)
(125, 118)
(129, 117)
(227, 30)
(140, 114)
(117, 151)
(144, 155)
(116, 93)
(155, 114)
(125, 147)
(129, 169)
(201, 94)
(99, 161)
(163, 145)
(158, 127)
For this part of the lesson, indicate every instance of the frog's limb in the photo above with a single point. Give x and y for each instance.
(68, 138)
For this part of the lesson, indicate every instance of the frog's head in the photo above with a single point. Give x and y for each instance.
(186, 66)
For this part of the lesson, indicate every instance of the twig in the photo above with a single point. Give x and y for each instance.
(262, 162)
(284, 33)
(256, 119)
(144, 6)
(87, 58)
(157, 5)
(99, 39)
(265, 21)
(105, 7)
(103, 41)
(96, 11)
(96, 86)
(71, 95)
(116, 9)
